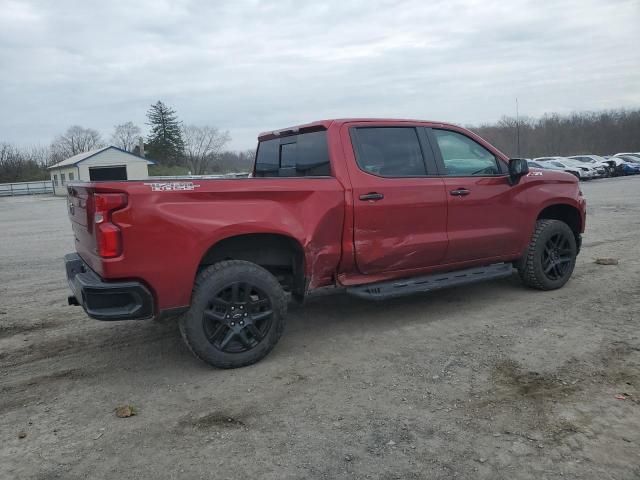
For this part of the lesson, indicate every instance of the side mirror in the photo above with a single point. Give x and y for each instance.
(518, 167)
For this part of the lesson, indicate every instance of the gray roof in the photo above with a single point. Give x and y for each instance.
(85, 155)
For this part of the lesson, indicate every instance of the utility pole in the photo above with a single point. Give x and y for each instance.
(517, 128)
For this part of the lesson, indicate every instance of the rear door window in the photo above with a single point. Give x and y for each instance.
(389, 151)
(302, 155)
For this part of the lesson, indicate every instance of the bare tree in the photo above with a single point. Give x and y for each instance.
(234, 162)
(18, 166)
(75, 140)
(202, 147)
(125, 136)
(601, 133)
(40, 154)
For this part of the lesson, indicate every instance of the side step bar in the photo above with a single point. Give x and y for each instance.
(397, 288)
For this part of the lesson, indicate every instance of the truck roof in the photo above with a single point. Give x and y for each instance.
(324, 124)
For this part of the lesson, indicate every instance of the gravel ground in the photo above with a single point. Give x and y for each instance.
(486, 382)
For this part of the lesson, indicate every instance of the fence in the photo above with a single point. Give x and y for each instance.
(25, 188)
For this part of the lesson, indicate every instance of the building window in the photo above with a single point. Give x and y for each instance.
(71, 176)
(62, 178)
(55, 180)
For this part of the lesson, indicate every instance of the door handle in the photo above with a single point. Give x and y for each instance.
(372, 196)
(459, 192)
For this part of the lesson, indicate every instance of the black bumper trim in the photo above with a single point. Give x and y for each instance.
(128, 300)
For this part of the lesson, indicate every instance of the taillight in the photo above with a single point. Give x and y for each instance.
(108, 235)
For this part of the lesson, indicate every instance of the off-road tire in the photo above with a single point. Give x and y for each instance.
(215, 278)
(530, 266)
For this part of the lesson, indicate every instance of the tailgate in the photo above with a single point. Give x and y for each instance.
(80, 212)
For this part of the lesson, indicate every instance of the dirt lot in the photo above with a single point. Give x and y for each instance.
(491, 381)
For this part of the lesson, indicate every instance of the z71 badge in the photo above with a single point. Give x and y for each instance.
(171, 186)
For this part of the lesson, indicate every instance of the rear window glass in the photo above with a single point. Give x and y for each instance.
(390, 151)
(303, 155)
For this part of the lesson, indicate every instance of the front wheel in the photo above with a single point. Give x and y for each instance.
(551, 256)
(237, 314)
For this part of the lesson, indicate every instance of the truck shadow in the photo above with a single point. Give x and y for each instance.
(320, 313)
(144, 345)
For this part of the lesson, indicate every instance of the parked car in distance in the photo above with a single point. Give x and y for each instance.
(534, 164)
(552, 166)
(375, 208)
(593, 171)
(632, 154)
(584, 172)
(617, 164)
(629, 164)
(604, 167)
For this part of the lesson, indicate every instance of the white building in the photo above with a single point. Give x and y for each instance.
(107, 163)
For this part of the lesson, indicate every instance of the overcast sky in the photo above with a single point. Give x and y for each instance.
(249, 66)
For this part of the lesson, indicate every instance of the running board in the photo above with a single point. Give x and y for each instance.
(407, 286)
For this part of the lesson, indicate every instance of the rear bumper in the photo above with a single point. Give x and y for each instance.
(127, 300)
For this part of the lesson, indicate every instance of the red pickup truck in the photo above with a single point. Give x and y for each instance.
(379, 208)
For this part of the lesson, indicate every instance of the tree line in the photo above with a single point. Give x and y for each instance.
(200, 149)
(598, 133)
(177, 148)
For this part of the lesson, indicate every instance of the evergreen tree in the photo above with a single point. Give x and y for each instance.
(165, 142)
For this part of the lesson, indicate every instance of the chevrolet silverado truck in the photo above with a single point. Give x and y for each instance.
(376, 208)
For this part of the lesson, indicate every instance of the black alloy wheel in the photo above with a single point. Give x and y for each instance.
(551, 256)
(237, 314)
(557, 256)
(237, 318)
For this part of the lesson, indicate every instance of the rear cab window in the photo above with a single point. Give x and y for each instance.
(301, 155)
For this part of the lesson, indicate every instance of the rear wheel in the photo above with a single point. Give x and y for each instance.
(551, 256)
(236, 316)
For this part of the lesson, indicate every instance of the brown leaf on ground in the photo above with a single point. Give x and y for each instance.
(125, 411)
